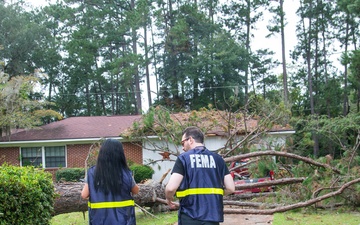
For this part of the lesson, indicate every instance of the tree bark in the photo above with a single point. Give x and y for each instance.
(251, 204)
(269, 183)
(69, 199)
(249, 196)
(283, 154)
(152, 194)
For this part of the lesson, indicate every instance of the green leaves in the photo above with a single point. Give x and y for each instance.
(26, 195)
(141, 172)
(17, 108)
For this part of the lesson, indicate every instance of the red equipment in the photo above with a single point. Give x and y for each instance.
(241, 175)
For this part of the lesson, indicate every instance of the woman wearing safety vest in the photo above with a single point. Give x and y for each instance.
(109, 187)
(199, 179)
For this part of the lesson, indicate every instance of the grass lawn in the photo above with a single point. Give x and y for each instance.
(319, 218)
(288, 218)
(77, 218)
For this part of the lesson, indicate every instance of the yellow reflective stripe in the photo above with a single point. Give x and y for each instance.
(199, 191)
(102, 205)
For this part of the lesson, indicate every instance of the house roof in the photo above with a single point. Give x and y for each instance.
(216, 123)
(219, 123)
(77, 128)
(83, 129)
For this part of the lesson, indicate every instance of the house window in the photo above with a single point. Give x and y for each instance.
(31, 156)
(55, 157)
(46, 157)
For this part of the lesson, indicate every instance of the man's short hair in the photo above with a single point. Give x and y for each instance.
(195, 133)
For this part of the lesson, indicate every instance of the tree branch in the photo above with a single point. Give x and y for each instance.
(282, 154)
(269, 183)
(293, 206)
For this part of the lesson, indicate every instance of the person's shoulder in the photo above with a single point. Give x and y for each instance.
(212, 152)
(92, 168)
(215, 154)
(182, 155)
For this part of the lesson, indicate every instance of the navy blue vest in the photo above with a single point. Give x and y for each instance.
(202, 188)
(110, 209)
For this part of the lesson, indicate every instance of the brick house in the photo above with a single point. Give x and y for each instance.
(66, 143)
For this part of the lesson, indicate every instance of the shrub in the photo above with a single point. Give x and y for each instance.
(70, 174)
(141, 172)
(26, 195)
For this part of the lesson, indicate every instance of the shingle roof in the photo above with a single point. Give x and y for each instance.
(77, 128)
(217, 123)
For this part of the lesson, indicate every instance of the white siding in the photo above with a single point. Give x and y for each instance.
(212, 143)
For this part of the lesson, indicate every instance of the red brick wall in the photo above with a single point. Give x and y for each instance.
(76, 154)
(133, 152)
(11, 155)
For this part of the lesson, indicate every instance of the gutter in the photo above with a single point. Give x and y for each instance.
(54, 142)
(282, 132)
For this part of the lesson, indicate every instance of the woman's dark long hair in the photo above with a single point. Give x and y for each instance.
(109, 167)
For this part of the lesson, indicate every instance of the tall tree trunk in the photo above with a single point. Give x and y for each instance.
(247, 46)
(155, 62)
(285, 83)
(309, 75)
(102, 99)
(138, 108)
(147, 73)
(328, 106)
(346, 100)
(88, 102)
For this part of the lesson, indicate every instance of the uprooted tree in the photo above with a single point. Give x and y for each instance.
(300, 181)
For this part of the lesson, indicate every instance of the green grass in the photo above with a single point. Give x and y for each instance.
(77, 218)
(287, 218)
(319, 218)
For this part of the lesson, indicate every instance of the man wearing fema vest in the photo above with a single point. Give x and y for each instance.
(199, 179)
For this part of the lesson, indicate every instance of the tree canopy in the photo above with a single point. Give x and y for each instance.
(98, 55)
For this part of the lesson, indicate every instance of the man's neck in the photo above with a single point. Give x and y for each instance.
(197, 145)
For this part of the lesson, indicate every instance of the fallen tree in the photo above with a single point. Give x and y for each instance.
(151, 194)
(282, 154)
(69, 200)
(320, 176)
(270, 183)
(293, 206)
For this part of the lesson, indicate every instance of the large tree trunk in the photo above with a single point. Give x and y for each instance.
(152, 194)
(69, 199)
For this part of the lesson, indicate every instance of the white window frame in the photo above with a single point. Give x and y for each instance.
(43, 162)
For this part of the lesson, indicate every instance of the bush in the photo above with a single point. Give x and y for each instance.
(70, 174)
(141, 172)
(26, 195)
